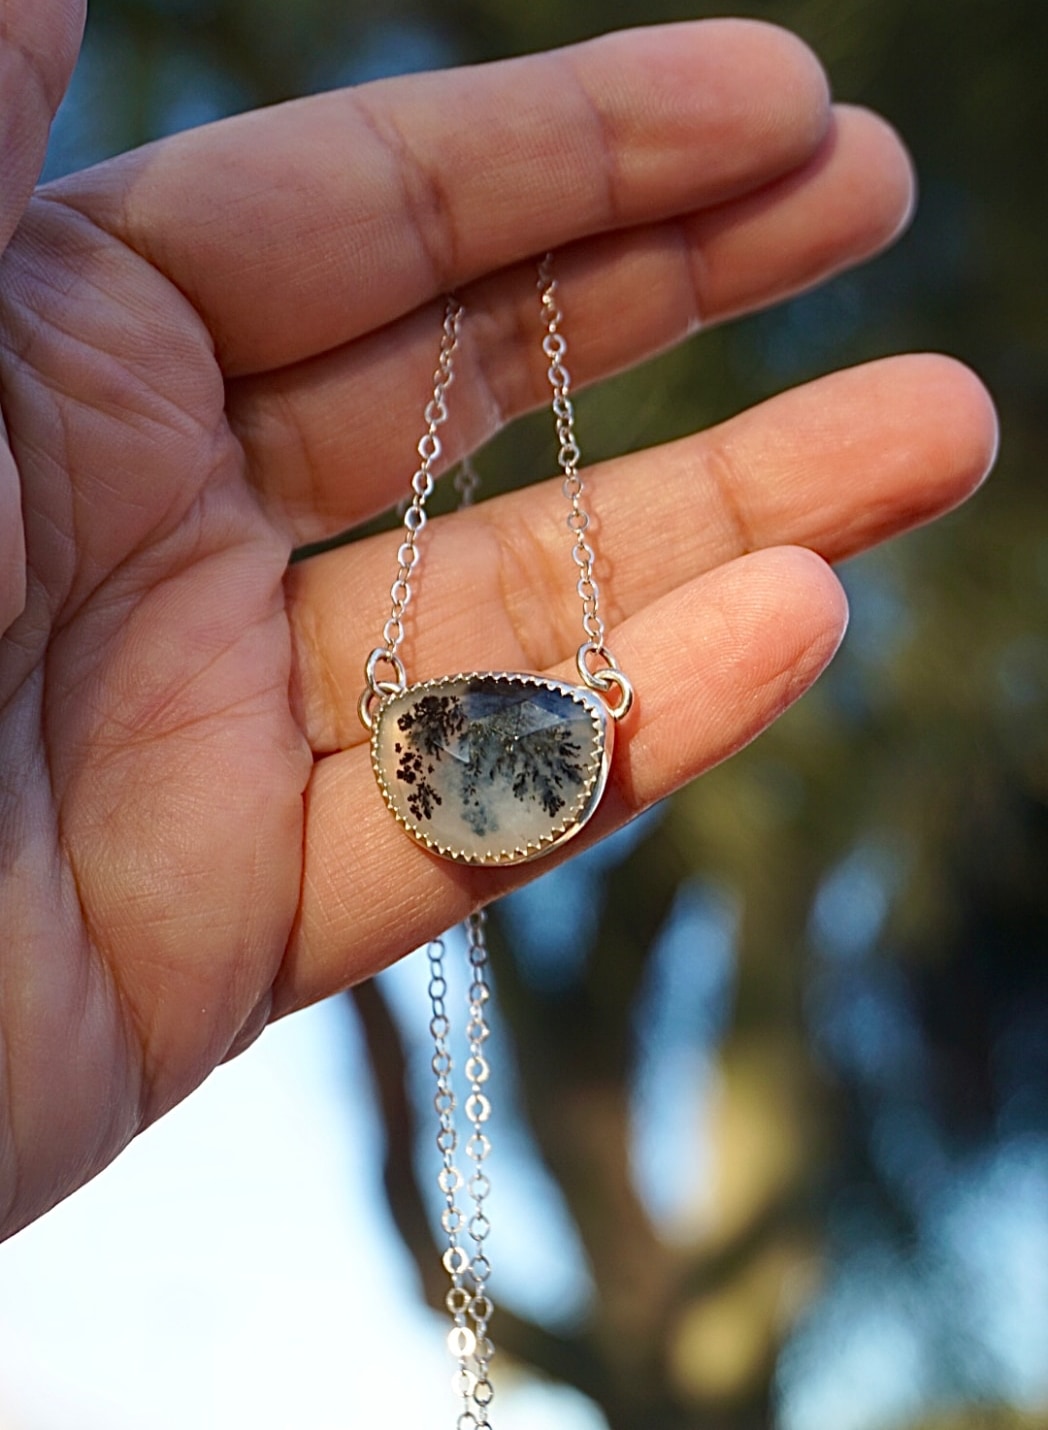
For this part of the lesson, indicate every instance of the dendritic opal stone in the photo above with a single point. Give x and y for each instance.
(492, 768)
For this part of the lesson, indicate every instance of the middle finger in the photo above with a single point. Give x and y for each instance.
(331, 440)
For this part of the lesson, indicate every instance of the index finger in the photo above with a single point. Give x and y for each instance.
(296, 229)
(38, 44)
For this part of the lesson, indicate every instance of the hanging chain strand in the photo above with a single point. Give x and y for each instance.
(609, 680)
(461, 1339)
(472, 1345)
(478, 1111)
(555, 347)
(422, 483)
(467, 1299)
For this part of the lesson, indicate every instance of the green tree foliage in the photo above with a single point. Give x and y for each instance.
(884, 1054)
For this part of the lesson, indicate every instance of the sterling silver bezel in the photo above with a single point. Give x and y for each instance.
(597, 765)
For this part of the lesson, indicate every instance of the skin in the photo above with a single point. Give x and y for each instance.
(218, 347)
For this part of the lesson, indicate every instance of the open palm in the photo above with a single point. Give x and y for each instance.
(218, 348)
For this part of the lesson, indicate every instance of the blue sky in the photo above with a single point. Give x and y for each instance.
(235, 1267)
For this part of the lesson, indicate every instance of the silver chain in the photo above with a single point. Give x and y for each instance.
(478, 1110)
(605, 676)
(467, 1299)
(430, 447)
(608, 679)
(569, 456)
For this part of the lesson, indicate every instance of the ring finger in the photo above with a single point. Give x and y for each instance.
(836, 466)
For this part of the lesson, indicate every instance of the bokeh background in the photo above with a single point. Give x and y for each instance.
(773, 1064)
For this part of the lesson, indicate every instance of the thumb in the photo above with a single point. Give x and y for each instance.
(39, 40)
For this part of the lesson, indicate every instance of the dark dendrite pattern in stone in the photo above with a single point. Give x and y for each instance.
(494, 740)
(482, 762)
(429, 729)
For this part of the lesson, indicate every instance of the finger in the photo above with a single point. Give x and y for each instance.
(296, 229)
(331, 441)
(836, 466)
(713, 664)
(39, 40)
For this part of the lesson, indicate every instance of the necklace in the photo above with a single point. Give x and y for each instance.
(495, 767)
(487, 768)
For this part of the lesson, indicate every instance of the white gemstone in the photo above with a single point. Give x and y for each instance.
(492, 768)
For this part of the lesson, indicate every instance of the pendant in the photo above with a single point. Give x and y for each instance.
(492, 767)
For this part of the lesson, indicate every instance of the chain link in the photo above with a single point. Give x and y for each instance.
(467, 1299)
(466, 482)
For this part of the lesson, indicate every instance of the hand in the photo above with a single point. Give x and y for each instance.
(218, 348)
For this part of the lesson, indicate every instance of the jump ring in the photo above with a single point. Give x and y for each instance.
(380, 656)
(604, 681)
(364, 710)
(375, 693)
